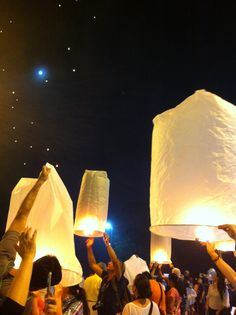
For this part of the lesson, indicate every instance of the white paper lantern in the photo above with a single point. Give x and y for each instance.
(160, 249)
(52, 216)
(225, 246)
(193, 169)
(133, 266)
(92, 206)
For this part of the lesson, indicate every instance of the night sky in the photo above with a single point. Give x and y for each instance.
(109, 67)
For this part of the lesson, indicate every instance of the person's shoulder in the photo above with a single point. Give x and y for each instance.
(155, 308)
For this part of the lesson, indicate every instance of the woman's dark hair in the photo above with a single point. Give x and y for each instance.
(41, 268)
(221, 285)
(147, 274)
(143, 286)
(80, 294)
(174, 278)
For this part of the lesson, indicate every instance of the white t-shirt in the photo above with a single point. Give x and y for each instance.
(214, 299)
(133, 309)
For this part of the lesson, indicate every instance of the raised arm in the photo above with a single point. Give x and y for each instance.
(226, 270)
(91, 259)
(19, 222)
(116, 263)
(19, 288)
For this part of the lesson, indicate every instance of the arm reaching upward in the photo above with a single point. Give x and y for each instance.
(226, 270)
(19, 222)
(113, 256)
(91, 259)
(19, 288)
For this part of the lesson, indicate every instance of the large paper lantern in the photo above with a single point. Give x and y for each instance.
(92, 206)
(160, 249)
(193, 169)
(52, 216)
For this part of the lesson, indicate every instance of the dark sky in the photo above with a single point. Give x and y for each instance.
(131, 61)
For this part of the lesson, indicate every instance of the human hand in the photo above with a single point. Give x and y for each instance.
(106, 239)
(27, 243)
(210, 249)
(50, 306)
(230, 229)
(89, 242)
(43, 176)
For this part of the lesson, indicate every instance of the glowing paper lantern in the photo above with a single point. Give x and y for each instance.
(92, 206)
(160, 249)
(193, 170)
(225, 246)
(52, 216)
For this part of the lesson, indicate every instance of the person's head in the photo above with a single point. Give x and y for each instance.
(141, 287)
(177, 272)
(110, 267)
(173, 280)
(41, 268)
(147, 274)
(102, 265)
(199, 280)
(77, 292)
(186, 274)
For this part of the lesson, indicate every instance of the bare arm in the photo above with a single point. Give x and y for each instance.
(153, 269)
(226, 270)
(18, 224)
(19, 288)
(91, 259)
(113, 257)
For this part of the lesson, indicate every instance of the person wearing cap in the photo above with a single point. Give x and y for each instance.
(180, 285)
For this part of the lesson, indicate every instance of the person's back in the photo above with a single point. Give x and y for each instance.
(111, 293)
(158, 295)
(91, 286)
(135, 308)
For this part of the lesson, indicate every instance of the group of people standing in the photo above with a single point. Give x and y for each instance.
(106, 291)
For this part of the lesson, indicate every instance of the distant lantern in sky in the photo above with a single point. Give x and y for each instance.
(52, 216)
(92, 206)
(160, 249)
(193, 169)
(41, 73)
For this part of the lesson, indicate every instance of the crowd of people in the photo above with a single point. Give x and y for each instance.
(106, 291)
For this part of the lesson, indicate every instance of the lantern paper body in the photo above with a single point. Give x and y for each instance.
(52, 216)
(160, 249)
(225, 246)
(193, 169)
(92, 206)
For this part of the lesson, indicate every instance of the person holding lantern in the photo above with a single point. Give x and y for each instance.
(113, 284)
(11, 236)
(226, 270)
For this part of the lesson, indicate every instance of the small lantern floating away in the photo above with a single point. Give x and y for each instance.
(160, 249)
(193, 170)
(52, 216)
(92, 206)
